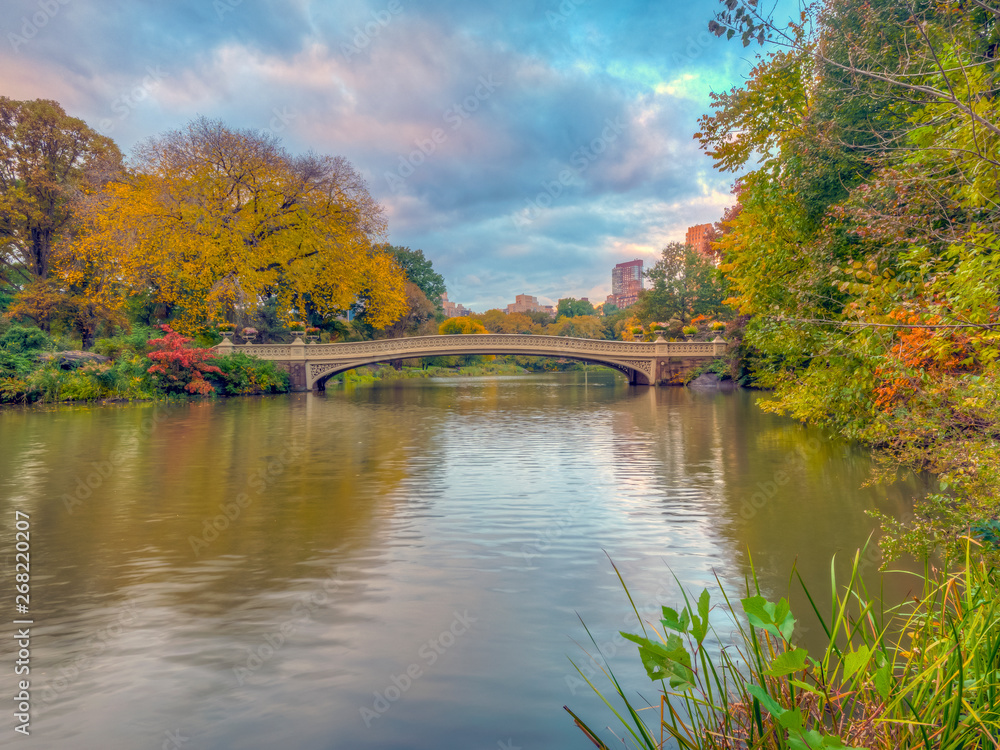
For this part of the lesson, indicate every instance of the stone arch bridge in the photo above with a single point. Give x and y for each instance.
(645, 363)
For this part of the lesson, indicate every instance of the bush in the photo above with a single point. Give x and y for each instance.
(124, 343)
(21, 339)
(15, 364)
(15, 390)
(182, 368)
(239, 374)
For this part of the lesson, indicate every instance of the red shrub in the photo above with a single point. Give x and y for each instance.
(182, 365)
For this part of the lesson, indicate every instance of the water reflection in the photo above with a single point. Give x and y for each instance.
(291, 569)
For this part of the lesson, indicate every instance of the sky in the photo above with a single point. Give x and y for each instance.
(526, 147)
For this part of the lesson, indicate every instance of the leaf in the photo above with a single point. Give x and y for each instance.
(806, 686)
(730, 34)
(855, 660)
(776, 619)
(791, 720)
(883, 681)
(672, 621)
(766, 701)
(668, 660)
(699, 624)
(788, 662)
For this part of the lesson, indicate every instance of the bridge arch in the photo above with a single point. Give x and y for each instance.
(320, 372)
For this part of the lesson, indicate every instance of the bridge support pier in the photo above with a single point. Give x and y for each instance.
(676, 370)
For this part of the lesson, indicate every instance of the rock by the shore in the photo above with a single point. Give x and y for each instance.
(73, 359)
(709, 381)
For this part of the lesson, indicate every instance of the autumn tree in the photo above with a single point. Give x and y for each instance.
(462, 325)
(498, 321)
(578, 326)
(419, 311)
(212, 221)
(865, 246)
(48, 161)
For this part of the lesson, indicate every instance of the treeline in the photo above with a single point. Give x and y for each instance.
(203, 227)
(863, 255)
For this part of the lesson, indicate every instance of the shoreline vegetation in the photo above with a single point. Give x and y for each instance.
(36, 368)
(920, 674)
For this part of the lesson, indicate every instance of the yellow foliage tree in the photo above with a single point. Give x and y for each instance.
(462, 325)
(498, 321)
(214, 221)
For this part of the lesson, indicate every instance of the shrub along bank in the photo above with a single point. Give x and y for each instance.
(130, 366)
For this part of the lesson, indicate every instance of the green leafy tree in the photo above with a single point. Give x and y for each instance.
(570, 307)
(683, 284)
(420, 271)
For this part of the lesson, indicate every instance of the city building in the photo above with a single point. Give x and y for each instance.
(451, 310)
(626, 283)
(700, 238)
(526, 303)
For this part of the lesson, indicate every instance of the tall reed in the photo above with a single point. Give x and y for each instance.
(923, 674)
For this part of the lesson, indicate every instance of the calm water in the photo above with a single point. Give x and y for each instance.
(433, 542)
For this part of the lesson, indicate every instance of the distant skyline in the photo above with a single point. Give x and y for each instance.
(525, 147)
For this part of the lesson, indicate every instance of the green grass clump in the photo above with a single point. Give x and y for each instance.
(925, 674)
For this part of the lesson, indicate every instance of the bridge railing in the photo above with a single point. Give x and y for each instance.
(498, 343)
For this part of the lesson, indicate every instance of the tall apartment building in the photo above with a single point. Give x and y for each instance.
(626, 283)
(700, 238)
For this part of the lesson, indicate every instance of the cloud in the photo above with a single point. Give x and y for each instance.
(525, 147)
